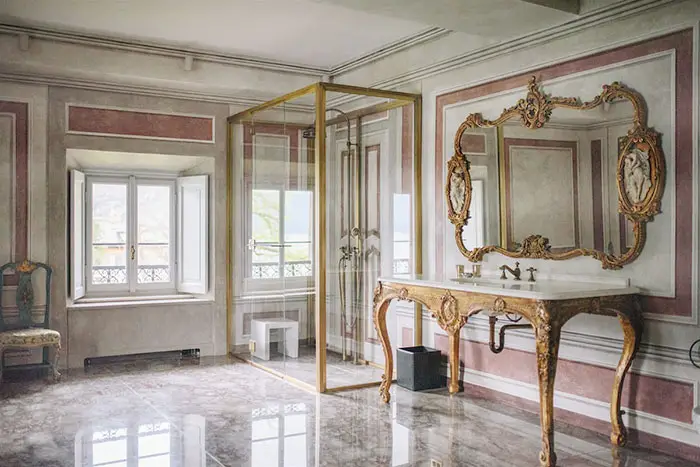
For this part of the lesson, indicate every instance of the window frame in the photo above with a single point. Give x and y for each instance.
(132, 438)
(283, 282)
(131, 287)
(281, 415)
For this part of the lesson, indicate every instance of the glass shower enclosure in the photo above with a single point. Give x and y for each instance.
(323, 199)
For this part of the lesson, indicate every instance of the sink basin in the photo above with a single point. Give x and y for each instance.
(495, 283)
(544, 289)
(538, 289)
(488, 281)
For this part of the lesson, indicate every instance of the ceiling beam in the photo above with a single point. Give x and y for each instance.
(568, 6)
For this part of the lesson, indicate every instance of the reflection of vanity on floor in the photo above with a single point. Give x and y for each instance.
(546, 305)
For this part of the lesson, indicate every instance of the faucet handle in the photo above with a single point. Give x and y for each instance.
(531, 270)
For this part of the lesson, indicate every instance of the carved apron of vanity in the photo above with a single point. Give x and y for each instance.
(452, 307)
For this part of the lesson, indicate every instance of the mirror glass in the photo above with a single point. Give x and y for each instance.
(558, 181)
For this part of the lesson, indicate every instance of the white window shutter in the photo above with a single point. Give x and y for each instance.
(77, 233)
(192, 234)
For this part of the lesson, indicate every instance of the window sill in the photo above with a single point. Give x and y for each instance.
(122, 302)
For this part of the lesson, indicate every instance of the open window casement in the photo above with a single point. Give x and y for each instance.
(133, 235)
(192, 229)
(77, 231)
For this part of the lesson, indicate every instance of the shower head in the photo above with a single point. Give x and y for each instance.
(310, 132)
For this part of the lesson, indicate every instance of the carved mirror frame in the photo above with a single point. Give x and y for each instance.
(534, 112)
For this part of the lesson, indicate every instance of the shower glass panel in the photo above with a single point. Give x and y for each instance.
(322, 197)
(369, 160)
(273, 183)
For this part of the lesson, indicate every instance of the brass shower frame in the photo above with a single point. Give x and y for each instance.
(398, 99)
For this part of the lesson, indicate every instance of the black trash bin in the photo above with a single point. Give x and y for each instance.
(418, 368)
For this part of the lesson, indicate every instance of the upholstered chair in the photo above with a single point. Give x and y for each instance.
(24, 331)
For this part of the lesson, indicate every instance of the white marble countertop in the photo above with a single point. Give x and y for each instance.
(546, 289)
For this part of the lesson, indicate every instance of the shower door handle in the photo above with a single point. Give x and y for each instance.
(253, 245)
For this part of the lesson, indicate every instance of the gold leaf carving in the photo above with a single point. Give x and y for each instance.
(640, 173)
(447, 314)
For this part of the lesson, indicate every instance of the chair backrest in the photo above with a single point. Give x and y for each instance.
(24, 295)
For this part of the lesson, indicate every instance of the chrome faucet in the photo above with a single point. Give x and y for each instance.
(515, 272)
(532, 272)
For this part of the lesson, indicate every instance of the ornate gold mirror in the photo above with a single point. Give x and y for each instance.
(556, 178)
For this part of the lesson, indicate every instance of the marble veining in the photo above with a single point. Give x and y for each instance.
(220, 412)
(339, 372)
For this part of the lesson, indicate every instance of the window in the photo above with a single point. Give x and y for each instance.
(142, 445)
(130, 233)
(281, 230)
(278, 436)
(125, 233)
(473, 233)
(402, 233)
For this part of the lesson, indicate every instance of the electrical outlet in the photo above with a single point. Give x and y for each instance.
(251, 346)
(435, 463)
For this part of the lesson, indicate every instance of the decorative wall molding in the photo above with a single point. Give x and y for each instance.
(11, 183)
(92, 120)
(642, 421)
(616, 11)
(153, 48)
(584, 348)
(389, 49)
(19, 113)
(143, 90)
(654, 431)
(191, 54)
(603, 351)
(683, 41)
(667, 364)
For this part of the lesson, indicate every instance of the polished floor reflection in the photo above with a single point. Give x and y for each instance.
(219, 413)
(339, 372)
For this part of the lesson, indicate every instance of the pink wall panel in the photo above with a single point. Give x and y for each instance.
(682, 43)
(100, 121)
(640, 392)
(20, 110)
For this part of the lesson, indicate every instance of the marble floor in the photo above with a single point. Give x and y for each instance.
(339, 372)
(220, 412)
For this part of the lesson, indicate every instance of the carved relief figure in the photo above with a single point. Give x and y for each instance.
(637, 175)
(458, 189)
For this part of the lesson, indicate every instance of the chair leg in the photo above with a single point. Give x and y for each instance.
(2, 353)
(54, 367)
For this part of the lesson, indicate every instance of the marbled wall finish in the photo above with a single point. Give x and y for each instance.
(23, 110)
(92, 332)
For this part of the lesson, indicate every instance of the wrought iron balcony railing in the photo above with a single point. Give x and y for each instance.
(291, 269)
(401, 266)
(305, 269)
(117, 274)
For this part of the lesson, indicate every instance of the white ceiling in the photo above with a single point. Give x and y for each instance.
(293, 31)
(488, 18)
(317, 33)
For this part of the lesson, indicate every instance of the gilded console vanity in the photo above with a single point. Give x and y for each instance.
(547, 306)
(591, 175)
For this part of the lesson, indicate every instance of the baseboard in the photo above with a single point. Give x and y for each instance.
(646, 430)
